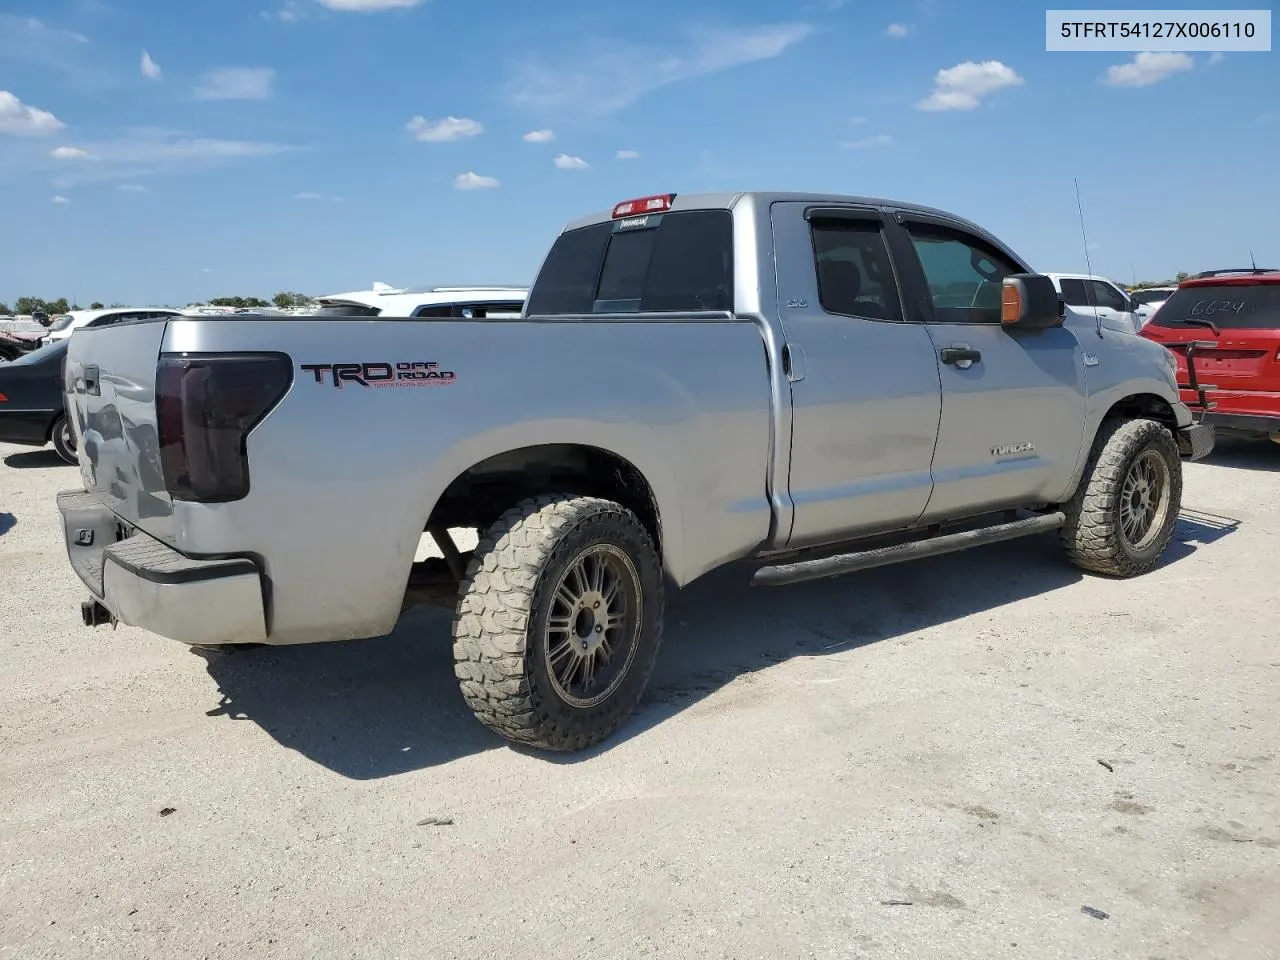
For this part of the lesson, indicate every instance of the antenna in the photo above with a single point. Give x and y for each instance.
(1253, 263)
(1097, 318)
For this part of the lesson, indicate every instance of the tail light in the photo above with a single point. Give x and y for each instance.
(654, 204)
(206, 404)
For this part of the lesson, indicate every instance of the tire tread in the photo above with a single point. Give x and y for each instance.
(495, 605)
(1091, 533)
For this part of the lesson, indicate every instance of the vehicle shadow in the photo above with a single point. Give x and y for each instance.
(1242, 454)
(369, 709)
(32, 459)
(7, 522)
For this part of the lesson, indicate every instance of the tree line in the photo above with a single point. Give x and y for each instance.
(1181, 275)
(26, 306)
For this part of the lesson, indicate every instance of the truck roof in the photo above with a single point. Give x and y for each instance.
(764, 198)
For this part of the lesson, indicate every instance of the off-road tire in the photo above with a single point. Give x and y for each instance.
(1092, 533)
(505, 601)
(60, 445)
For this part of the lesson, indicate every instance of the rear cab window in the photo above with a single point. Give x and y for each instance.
(679, 262)
(1253, 306)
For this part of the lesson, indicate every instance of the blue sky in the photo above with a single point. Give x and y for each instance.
(319, 145)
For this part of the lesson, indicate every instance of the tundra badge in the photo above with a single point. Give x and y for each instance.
(1011, 449)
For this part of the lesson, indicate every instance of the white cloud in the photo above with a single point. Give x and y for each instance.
(236, 83)
(628, 154)
(566, 162)
(308, 196)
(896, 30)
(370, 6)
(25, 41)
(150, 69)
(291, 12)
(147, 151)
(474, 181)
(619, 72)
(71, 153)
(1217, 57)
(339, 200)
(206, 270)
(441, 131)
(61, 200)
(539, 136)
(879, 140)
(963, 86)
(20, 119)
(1147, 68)
(131, 188)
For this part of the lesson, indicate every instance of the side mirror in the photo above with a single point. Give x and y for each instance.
(1029, 301)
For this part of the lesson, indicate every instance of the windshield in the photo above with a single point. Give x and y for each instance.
(340, 308)
(48, 351)
(1236, 306)
(61, 323)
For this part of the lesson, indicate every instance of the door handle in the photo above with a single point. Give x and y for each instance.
(90, 380)
(960, 356)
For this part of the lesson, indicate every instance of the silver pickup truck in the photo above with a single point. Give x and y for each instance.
(816, 384)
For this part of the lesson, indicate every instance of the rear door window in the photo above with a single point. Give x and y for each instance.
(854, 273)
(663, 263)
(1229, 306)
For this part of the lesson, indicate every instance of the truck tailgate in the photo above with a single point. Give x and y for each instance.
(110, 383)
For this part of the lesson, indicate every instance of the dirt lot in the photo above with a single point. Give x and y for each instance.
(947, 759)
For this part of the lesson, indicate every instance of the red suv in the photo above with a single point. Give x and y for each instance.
(1224, 330)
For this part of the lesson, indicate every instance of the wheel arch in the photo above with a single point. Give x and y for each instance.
(1140, 404)
(1147, 406)
(478, 493)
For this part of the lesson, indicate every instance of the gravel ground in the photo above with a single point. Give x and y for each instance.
(946, 759)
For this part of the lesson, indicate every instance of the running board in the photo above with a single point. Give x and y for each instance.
(785, 573)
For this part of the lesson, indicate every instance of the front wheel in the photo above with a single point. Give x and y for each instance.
(1122, 515)
(559, 621)
(64, 441)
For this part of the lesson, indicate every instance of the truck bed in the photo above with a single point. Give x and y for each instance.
(343, 477)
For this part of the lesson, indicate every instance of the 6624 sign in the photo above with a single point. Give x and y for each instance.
(416, 373)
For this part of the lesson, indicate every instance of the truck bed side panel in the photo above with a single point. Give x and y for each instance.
(343, 480)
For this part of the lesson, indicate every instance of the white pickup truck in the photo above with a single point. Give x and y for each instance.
(819, 384)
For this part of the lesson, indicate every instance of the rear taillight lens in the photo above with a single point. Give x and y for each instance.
(206, 404)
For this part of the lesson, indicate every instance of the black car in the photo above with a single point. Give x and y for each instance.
(32, 410)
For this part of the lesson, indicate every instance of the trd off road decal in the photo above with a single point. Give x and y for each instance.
(412, 374)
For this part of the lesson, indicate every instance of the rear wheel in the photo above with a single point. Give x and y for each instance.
(1122, 515)
(64, 441)
(559, 621)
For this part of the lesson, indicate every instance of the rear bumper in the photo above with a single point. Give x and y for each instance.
(1249, 423)
(147, 584)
